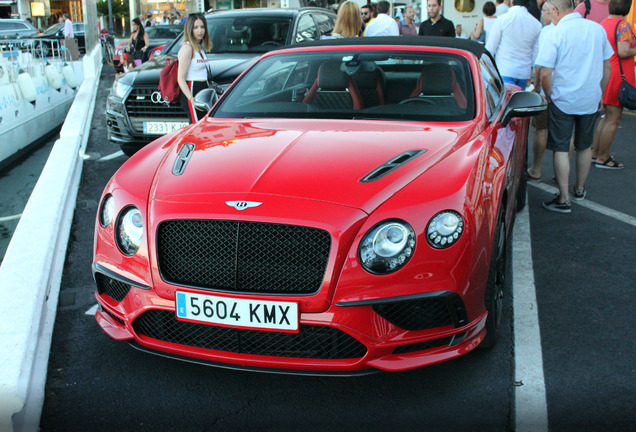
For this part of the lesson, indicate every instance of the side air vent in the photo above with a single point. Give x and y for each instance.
(391, 165)
(182, 159)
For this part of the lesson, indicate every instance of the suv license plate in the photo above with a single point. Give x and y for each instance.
(233, 312)
(162, 128)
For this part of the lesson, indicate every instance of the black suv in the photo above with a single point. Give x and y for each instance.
(135, 106)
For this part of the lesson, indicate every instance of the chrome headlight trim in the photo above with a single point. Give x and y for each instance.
(387, 247)
(129, 230)
(444, 229)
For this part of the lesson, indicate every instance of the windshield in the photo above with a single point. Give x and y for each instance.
(391, 85)
(53, 29)
(256, 34)
(163, 32)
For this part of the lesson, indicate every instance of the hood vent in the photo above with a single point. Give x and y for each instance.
(182, 159)
(391, 165)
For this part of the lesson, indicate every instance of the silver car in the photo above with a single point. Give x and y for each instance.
(16, 28)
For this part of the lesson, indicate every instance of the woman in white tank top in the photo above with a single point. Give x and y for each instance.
(192, 75)
(483, 26)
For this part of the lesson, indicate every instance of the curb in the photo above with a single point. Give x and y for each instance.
(31, 272)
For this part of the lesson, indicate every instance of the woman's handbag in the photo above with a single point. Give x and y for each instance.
(627, 92)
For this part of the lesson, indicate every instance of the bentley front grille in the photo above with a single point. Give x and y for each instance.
(248, 257)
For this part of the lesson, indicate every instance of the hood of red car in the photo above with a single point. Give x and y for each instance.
(342, 161)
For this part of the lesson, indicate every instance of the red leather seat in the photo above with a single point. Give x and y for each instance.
(334, 89)
(438, 80)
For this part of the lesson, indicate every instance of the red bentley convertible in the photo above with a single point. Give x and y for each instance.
(345, 207)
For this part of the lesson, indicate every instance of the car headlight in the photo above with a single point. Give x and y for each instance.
(107, 211)
(387, 247)
(129, 231)
(119, 89)
(444, 229)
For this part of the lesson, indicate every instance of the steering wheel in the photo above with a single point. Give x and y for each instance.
(417, 100)
(272, 43)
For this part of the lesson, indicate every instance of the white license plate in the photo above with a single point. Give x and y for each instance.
(162, 128)
(243, 313)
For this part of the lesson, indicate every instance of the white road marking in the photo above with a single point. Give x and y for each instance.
(622, 217)
(111, 156)
(92, 310)
(531, 412)
(10, 218)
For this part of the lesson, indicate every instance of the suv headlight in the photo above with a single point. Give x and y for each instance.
(387, 247)
(444, 229)
(129, 230)
(119, 89)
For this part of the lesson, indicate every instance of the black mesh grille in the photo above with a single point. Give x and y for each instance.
(423, 345)
(243, 256)
(316, 342)
(416, 314)
(140, 108)
(119, 320)
(111, 287)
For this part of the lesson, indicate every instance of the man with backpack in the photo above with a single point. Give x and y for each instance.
(595, 10)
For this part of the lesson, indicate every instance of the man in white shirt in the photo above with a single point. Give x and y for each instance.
(574, 81)
(502, 7)
(383, 24)
(68, 27)
(513, 40)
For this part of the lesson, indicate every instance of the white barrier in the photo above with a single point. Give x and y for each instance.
(31, 272)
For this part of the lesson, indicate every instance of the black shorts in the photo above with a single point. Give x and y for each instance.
(561, 125)
(540, 121)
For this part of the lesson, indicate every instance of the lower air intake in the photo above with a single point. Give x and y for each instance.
(315, 342)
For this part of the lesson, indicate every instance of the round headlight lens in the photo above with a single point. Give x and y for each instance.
(107, 211)
(387, 247)
(444, 229)
(130, 230)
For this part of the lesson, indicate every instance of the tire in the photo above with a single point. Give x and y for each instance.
(497, 273)
(522, 190)
(130, 149)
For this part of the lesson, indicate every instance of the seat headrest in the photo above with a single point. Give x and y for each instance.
(238, 32)
(331, 78)
(436, 79)
(367, 79)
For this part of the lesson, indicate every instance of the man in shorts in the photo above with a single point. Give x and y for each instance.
(574, 81)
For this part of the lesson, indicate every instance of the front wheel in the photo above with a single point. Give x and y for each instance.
(497, 273)
(522, 190)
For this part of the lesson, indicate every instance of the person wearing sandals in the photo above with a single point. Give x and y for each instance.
(625, 51)
(574, 81)
(192, 75)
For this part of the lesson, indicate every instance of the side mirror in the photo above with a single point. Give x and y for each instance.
(523, 104)
(205, 99)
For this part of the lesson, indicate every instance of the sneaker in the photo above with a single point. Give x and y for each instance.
(556, 206)
(579, 194)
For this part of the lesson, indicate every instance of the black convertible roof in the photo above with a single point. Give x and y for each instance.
(433, 41)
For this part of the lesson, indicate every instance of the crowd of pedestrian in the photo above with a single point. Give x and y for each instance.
(572, 51)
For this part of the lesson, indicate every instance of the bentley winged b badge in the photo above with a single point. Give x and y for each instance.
(242, 205)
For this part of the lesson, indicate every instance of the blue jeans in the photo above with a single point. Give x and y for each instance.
(523, 83)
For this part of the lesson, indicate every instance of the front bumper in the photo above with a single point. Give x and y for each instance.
(347, 338)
